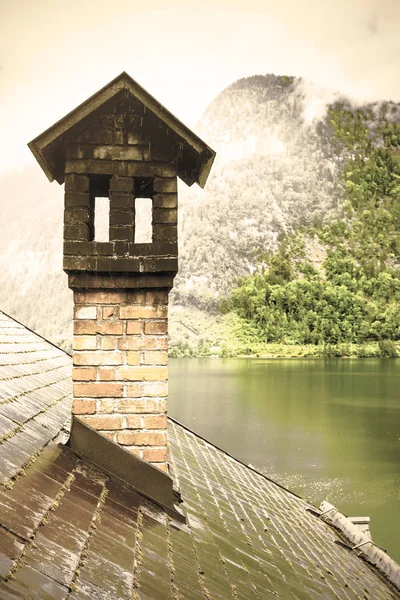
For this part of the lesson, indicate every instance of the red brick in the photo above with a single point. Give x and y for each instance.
(76, 183)
(133, 327)
(85, 312)
(156, 327)
(106, 374)
(139, 406)
(155, 454)
(84, 374)
(96, 358)
(106, 422)
(133, 358)
(139, 342)
(99, 297)
(130, 343)
(133, 390)
(110, 435)
(105, 406)
(136, 451)
(84, 407)
(155, 422)
(166, 201)
(98, 390)
(165, 215)
(109, 311)
(133, 422)
(79, 200)
(84, 342)
(109, 342)
(143, 312)
(92, 327)
(130, 438)
(155, 358)
(165, 233)
(155, 389)
(161, 466)
(124, 153)
(143, 373)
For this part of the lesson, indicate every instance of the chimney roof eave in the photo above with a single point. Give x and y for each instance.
(40, 146)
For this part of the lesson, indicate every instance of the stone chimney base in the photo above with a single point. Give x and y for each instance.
(120, 371)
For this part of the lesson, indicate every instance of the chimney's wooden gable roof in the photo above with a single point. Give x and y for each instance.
(193, 162)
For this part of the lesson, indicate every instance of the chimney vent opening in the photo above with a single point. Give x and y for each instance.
(143, 190)
(100, 204)
(101, 219)
(143, 220)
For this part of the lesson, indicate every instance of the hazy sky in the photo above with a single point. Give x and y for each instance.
(54, 54)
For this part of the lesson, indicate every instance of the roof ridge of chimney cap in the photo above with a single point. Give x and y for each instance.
(43, 145)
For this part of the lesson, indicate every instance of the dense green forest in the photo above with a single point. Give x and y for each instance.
(352, 296)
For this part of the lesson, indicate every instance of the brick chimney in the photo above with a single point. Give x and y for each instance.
(119, 147)
(120, 369)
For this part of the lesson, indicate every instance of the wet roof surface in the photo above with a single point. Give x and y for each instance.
(35, 394)
(70, 531)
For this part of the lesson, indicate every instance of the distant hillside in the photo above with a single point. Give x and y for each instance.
(277, 173)
(33, 286)
(274, 172)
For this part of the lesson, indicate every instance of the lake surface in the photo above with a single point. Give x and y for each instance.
(326, 429)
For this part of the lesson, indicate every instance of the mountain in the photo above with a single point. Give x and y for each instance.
(33, 287)
(351, 294)
(277, 183)
(275, 171)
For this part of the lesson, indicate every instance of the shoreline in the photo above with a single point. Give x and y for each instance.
(196, 333)
(284, 351)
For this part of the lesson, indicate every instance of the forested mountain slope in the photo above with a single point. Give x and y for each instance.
(352, 294)
(282, 203)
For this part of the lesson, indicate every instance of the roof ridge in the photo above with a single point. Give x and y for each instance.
(44, 145)
(373, 553)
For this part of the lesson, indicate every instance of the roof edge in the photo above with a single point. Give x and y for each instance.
(42, 162)
(36, 333)
(84, 109)
(373, 553)
(205, 170)
(96, 100)
(250, 467)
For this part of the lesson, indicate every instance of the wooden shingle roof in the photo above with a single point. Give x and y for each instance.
(70, 531)
(195, 156)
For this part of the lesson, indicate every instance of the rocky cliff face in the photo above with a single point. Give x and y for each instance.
(275, 171)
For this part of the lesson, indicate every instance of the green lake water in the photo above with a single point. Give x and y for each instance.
(326, 429)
